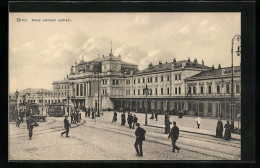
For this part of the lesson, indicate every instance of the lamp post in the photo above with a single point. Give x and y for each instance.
(68, 97)
(238, 52)
(146, 90)
(58, 87)
(98, 96)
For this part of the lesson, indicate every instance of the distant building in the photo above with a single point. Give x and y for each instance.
(175, 86)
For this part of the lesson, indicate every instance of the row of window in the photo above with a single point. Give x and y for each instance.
(40, 101)
(190, 89)
(150, 79)
(61, 87)
(177, 91)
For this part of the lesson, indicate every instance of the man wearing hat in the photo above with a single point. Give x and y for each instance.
(174, 134)
(66, 126)
(140, 137)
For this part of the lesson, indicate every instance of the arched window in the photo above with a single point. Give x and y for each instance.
(237, 88)
(209, 89)
(189, 92)
(201, 90)
(218, 89)
(179, 90)
(227, 88)
(194, 90)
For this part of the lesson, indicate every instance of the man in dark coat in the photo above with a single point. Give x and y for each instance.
(227, 135)
(30, 124)
(165, 117)
(93, 114)
(66, 126)
(135, 119)
(219, 129)
(123, 118)
(130, 121)
(174, 134)
(167, 126)
(152, 117)
(114, 117)
(21, 116)
(140, 137)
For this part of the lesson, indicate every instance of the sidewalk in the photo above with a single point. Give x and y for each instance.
(185, 124)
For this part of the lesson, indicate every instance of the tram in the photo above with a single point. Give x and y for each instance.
(56, 110)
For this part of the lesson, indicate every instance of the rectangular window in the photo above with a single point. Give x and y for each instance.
(155, 91)
(138, 91)
(156, 79)
(77, 90)
(168, 91)
(179, 76)
(194, 90)
(134, 81)
(151, 92)
(175, 77)
(161, 78)
(161, 91)
(134, 91)
(148, 80)
(138, 80)
(201, 90)
(179, 90)
(176, 90)
(84, 89)
(168, 78)
(144, 80)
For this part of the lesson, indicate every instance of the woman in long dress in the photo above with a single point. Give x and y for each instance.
(227, 135)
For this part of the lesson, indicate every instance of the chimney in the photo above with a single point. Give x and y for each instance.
(160, 62)
(219, 66)
(212, 67)
(195, 61)
(174, 61)
(202, 62)
(150, 65)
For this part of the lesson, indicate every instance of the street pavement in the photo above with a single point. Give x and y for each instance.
(99, 139)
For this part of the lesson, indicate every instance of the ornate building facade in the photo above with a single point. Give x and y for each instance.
(110, 83)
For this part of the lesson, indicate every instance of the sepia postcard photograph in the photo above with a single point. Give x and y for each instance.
(124, 86)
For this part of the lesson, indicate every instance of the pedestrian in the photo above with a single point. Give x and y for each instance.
(66, 126)
(93, 114)
(140, 137)
(71, 117)
(18, 121)
(219, 129)
(227, 135)
(174, 134)
(165, 117)
(156, 115)
(114, 117)
(135, 119)
(30, 124)
(152, 117)
(198, 121)
(21, 115)
(123, 118)
(167, 126)
(130, 120)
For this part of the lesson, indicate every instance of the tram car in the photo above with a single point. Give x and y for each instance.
(56, 110)
(29, 109)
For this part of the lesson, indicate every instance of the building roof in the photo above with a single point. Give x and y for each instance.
(35, 90)
(168, 66)
(213, 73)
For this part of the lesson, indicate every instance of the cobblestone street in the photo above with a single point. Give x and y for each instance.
(102, 140)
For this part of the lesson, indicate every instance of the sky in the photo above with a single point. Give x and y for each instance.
(43, 52)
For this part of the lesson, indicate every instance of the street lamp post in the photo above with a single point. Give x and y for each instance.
(146, 90)
(98, 96)
(238, 52)
(68, 97)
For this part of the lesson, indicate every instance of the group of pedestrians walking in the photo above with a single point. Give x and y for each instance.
(154, 115)
(75, 117)
(219, 130)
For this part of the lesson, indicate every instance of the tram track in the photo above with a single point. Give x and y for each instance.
(186, 146)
